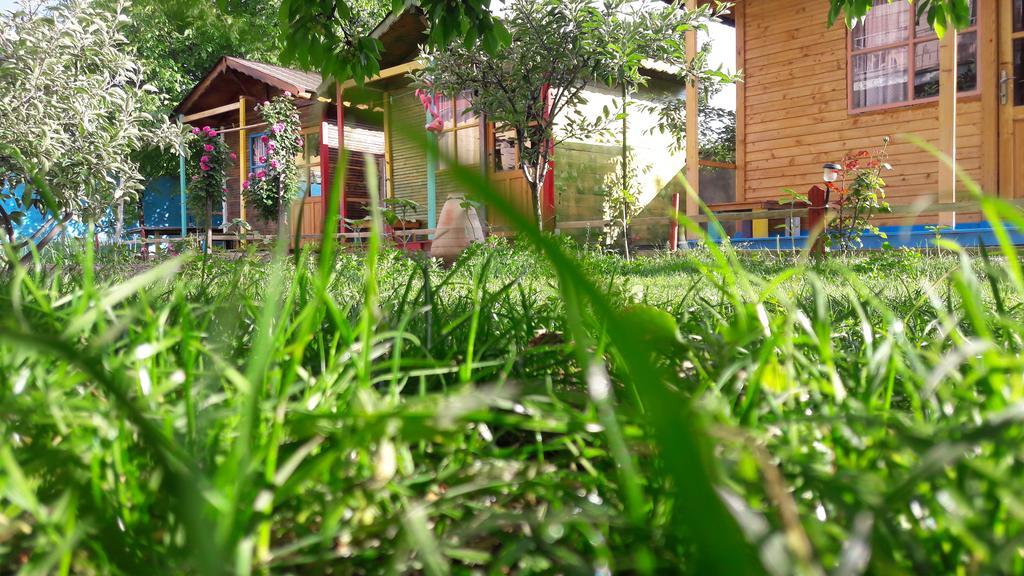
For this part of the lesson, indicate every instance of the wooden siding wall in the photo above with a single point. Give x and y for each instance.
(797, 118)
(410, 161)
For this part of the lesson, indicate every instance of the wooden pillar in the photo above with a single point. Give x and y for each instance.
(340, 113)
(947, 123)
(326, 177)
(988, 76)
(243, 157)
(548, 190)
(692, 150)
(389, 171)
(673, 226)
(740, 22)
(181, 189)
(431, 172)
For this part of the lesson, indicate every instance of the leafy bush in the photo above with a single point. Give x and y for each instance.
(74, 110)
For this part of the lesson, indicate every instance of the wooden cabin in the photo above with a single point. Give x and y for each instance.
(226, 99)
(812, 93)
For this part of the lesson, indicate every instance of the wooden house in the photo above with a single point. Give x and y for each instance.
(812, 93)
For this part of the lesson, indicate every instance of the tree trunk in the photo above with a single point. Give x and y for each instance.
(209, 225)
(119, 223)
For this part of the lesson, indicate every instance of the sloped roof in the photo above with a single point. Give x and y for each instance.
(305, 81)
(281, 78)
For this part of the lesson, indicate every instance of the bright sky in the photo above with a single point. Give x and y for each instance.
(723, 52)
(6, 5)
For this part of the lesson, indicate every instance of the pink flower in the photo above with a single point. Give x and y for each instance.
(195, 178)
(212, 133)
(271, 147)
(261, 174)
(204, 159)
(225, 189)
(208, 147)
(298, 140)
(264, 139)
(233, 156)
(204, 167)
(274, 164)
(287, 94)
(266, 102)
(262, 159)
(196, 130)
(245, 185)
(278, 128)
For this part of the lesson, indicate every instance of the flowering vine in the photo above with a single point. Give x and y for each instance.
(211, 158)
(271, 186)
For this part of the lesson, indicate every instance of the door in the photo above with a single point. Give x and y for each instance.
(307, 210)
(1011, 98)
(508, 178)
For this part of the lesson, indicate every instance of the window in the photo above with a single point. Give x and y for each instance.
(895, 60)
(505, 152)
(307, 164)
(460, 139)
(307, 161)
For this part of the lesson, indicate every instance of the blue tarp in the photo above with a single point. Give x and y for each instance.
(968, 234)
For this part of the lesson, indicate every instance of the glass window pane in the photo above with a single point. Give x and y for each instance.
(469, 146)
(924, 29)
(967, 62)
(303, 187)
(444, 110)
(505, 151)
(465, 116)
(315, 181)
(313, 147)
(886, 23)
(926, 66)
(257, 152)
(880, 77)
(926, 69)
(1018, 15)
(1018, 72)
(446, 148)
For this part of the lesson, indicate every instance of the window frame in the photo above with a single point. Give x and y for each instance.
(910, 44)
(454, 130)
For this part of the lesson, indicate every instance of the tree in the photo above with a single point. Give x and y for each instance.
(557, 49)
(333, 35)
(73, 113)
(942, 14)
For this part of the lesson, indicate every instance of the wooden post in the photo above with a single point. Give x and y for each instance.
(388, 166)
(739, 19)
(431, 173)
(947, 123)
(325, 167)
(340, 118)
(547, 207)
(243, 157)
(673, 226)
(816, 218)
(181, 190)
(692, 150)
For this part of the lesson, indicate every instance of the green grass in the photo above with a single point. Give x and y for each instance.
(536, 409)
(213, 416)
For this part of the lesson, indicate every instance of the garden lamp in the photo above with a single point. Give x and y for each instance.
(830, 173)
